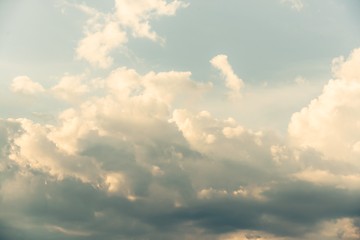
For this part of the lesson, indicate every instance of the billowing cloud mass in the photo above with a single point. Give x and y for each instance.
(330, 125)
(97, 44)
(331, 122)
(24, 85)
(129, 157)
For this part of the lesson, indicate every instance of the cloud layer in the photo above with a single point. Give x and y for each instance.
(129, 158)
(132, 159)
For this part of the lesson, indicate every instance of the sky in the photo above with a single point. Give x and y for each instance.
(180, 119)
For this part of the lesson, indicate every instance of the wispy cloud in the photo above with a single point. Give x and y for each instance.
(233, 82)
(297, 5)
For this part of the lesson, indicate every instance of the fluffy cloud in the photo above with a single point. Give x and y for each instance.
(217, 137)
(347, 69)
(106, 32)
(24, 85)
(145, 99)
(27, 151)
(330, 123)
(165, 87)
(136, 15)
(70, 88)
(97, 44)
(233, 82)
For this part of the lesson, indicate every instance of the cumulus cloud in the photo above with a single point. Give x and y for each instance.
(330, 126)
(146, 99)
(97, 44)
(24, 85)
(233, 82)
(164, 87)
(106, 32)
(70, 88)
(136, 15)
(330, 123)
(27, 151)
(347, 69)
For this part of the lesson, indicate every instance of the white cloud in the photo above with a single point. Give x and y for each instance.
(156, 91)
(220, 139)
(135, 109)
(297, 5)
(24, 85)
(347, 69)
(233, 82)
(72, 128)
(70, 88)
(106, 32)
(330, 123)
(139, 142)
(97, 45)
(134, 144)
(136, 15)
(33, 149)
(195, 128)
(231, 132)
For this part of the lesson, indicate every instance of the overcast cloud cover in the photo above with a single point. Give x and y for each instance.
(154, 119)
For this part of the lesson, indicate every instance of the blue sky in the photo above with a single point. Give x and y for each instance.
(154, 119)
